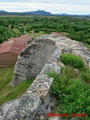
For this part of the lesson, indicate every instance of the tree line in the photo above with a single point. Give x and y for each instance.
(73, 27)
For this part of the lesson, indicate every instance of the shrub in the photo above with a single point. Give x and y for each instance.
(75, 61)
(55, 86)
(85, 76)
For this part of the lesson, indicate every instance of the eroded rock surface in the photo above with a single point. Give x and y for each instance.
(32, 59)
(70, 46)
(11, 105)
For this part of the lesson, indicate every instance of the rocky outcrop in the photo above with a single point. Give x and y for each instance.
(32, 59)
(5, 108)
(70, 46)
(36, 102)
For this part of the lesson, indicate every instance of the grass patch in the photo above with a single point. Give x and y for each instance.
(40, 33)
(73, 60)
(85, 75)
(72, 92)
(8, 92)
(87, 45)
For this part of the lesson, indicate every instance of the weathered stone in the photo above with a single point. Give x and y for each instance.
(76, 70)
(68, 50)
(36, 100)
(51, 68)
(32, 59)
(73, 46)
(88, 62)
(61, 64)
(11, 105)
(35, 56)
(45, 108)
(41, 86)
(55, 57)
(25, 110)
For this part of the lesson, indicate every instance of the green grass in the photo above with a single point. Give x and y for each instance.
(8, 92)
(87, 45)
(40, 33)
(71, 91)
(73, 60)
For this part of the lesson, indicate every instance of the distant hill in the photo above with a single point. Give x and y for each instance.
(3, 12)
(38, 12)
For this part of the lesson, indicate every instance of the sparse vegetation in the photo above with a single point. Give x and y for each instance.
(6, 91)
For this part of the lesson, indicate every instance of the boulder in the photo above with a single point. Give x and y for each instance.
(32, 59)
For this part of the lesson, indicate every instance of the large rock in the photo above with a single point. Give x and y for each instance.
(70, 46)
(11, 105)
(32, 59)
(31, 105)
(25, 109)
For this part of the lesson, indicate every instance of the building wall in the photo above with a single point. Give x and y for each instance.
(7, 59)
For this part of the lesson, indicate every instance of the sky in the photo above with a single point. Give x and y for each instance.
(53, 6)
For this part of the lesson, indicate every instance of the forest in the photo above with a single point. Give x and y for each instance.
(76, 28)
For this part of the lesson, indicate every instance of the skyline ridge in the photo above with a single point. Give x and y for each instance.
(39, 12)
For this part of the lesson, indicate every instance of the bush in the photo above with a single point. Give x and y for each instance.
(55, 86)
(86, 76)
(75, 61)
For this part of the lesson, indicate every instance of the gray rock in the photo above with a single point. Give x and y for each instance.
(88, 62)
(32, 59)
(26, 110)
(51, 68)
(41, 85)
(68, 50)
(76, 70)
(55, 57)
(11, 105)
(61, 64)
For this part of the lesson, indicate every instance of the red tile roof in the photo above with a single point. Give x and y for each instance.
(14, 45)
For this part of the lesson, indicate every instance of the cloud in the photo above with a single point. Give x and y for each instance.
(78, 2)
(54, 8)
